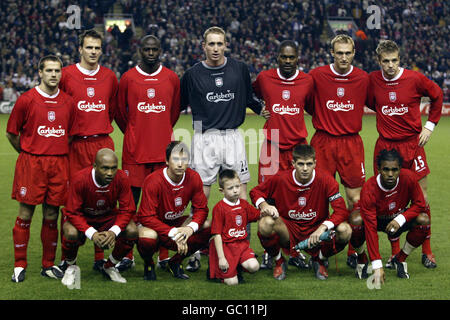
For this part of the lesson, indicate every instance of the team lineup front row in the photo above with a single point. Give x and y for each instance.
(61, 125)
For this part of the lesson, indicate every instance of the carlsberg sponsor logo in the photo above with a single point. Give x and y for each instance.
(301, 215)
(393, 111)
(91, 106)
(236, 232)
(340, 106)
(277, 108)
(218, 97)
(51, 132)
(173, 215)
(147, 107)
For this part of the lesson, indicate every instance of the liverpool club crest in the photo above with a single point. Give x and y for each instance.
(90, 92)
(51, 116)
(286, 94)
(151, 93)
(340, 92)
(392, 96)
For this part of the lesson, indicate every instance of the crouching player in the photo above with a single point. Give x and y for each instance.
(230, 251)
(301, 200)
(91, 212)
(384, 207)
(166, 194)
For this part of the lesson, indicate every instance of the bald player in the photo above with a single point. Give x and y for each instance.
(100, 207)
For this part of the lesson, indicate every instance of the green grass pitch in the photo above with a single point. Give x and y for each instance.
(299, 285)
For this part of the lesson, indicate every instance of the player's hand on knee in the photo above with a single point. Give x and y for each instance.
(392, 227)
(223, 264)
(182, 247)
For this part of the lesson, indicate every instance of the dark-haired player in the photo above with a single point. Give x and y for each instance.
(300, 210)
(339, 99)
(94, 90)
(100, 207)
(395, 94)
(148, 108)
(166, 193)
(38, 129)
(391, 201)
(285, 91)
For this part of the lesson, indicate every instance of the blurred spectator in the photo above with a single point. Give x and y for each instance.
(255, 28)
(10, 93)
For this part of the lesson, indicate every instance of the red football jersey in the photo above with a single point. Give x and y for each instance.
(378, 202)
(285, 100)
(148, 108)
(95, 97)
(164, 202)
(230, 219)
(88, 201)
(307, 205)
(397, 103)
(42, 121)
(339, 100)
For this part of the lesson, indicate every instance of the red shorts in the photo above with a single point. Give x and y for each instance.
(39, 179)
(235, 252)
(82, 151)
(137, 172)
(273, 161)
(342, 154)
(414, 157)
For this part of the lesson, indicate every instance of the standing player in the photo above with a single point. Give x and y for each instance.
(91, 212)
(38, 129)
(301, 199)
(218, 90)
(230, 251)
(339, 99)
(391, 201)
(165, 196)
(395, 95)
(148, 108)
(286, 91)
(94, 90)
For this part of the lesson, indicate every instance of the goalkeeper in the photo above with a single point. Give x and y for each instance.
(296, 203)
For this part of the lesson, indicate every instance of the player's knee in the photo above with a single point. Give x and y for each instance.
(131, 230)
(423, 219)
(147, 233)
(70, 232)
(251, 265)
(231, 281)
(355, 218)
(265, 225)
(207, 224)
(343, 232)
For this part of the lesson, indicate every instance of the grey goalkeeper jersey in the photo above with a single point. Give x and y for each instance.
(218, 96)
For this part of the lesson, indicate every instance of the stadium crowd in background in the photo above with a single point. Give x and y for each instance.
(255, 29)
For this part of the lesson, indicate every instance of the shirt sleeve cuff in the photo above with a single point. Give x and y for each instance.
(193, 225)
(329, 224)
(172, 232)
(377, 264)
(430, 125)
(400, 219)
(115, 229)
(259, 201)
(90, 232)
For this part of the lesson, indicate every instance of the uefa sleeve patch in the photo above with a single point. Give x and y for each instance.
(334, 197)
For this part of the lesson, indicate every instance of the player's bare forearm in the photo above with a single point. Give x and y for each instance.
(14, 140)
